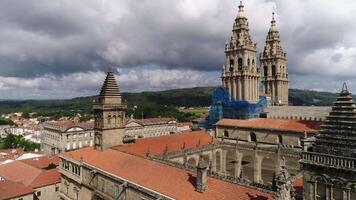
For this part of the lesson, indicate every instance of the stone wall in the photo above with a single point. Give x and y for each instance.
(316, 113)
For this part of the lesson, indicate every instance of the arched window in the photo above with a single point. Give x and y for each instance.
(226, 133)
(280, 139)
(231, 62)
(248, 62)
(109, 119)
(253, 62)
(273, 70)
(239, 63)
(253, 137)
(265, 71)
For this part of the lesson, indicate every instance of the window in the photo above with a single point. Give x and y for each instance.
(57, 188)
(253, 137)
(226, 133)
(253, 62)
(248, 62)
(239, 61)
(38, 194)
(320, 191)
(265, 71)
(231, 62)
(273, 70)
(109, 119)
(280, 139)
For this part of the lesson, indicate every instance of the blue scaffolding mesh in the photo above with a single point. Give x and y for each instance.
(223, 106)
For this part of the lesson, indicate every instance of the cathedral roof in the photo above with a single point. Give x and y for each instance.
(272, 124)
(169, 143)
(170, 181)
(110, 87)
(338, 133)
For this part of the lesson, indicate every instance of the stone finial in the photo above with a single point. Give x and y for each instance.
(202, 174)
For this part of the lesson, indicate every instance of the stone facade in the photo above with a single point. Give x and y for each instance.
(109, 114)
(330, 165)
(82, 181)
(274, 70)
(313, 113)
(240, 75)
(60, 136)
(154, 127)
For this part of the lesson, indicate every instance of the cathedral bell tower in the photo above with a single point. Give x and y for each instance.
(240, 75)
(109, 114)
(273, 66)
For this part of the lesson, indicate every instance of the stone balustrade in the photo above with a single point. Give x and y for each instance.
(329, 160)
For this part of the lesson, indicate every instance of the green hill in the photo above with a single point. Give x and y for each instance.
(151, 104)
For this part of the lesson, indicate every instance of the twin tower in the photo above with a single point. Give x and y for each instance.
(240, 75)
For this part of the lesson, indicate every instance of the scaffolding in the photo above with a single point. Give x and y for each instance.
(224, 106)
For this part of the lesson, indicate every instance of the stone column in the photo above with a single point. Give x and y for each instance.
(239, 86)
(228, 88)
(238, 164)
(257, 175)
(213, 161)
(223, 162)
(234, 92)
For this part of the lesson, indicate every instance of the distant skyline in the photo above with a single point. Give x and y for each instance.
(62, 49)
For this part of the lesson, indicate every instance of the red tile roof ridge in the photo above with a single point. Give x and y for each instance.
(160, 177)
(274, 124)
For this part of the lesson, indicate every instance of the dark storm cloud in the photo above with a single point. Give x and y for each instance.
(54, 41)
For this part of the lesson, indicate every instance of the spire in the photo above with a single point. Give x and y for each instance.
(273, 23)
(110, 87)
(337, 133)
(241, 13)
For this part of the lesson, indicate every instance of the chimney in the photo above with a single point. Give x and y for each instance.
(202, 174)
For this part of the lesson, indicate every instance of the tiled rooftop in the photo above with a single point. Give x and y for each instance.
(170, 181)
(175, 142)
(64, 125)
(10, 190)
(272, 124)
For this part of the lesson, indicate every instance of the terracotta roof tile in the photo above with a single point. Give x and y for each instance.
(47, 177)
(28, 175)
(274, 124)
(67, 124)
(42, 162)
(175, 142)
(19, 172)
(170, 181)
(10, 189)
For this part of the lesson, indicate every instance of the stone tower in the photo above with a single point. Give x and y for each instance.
(273, 66)
(330, 164)
(109, 114)
(240, 75)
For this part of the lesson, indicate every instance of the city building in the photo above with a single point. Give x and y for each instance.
(188, 165)
(151, 127)
(30, 179)
(330, 165)
(60, 136)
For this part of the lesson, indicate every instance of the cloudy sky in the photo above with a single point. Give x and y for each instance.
(62, 48)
